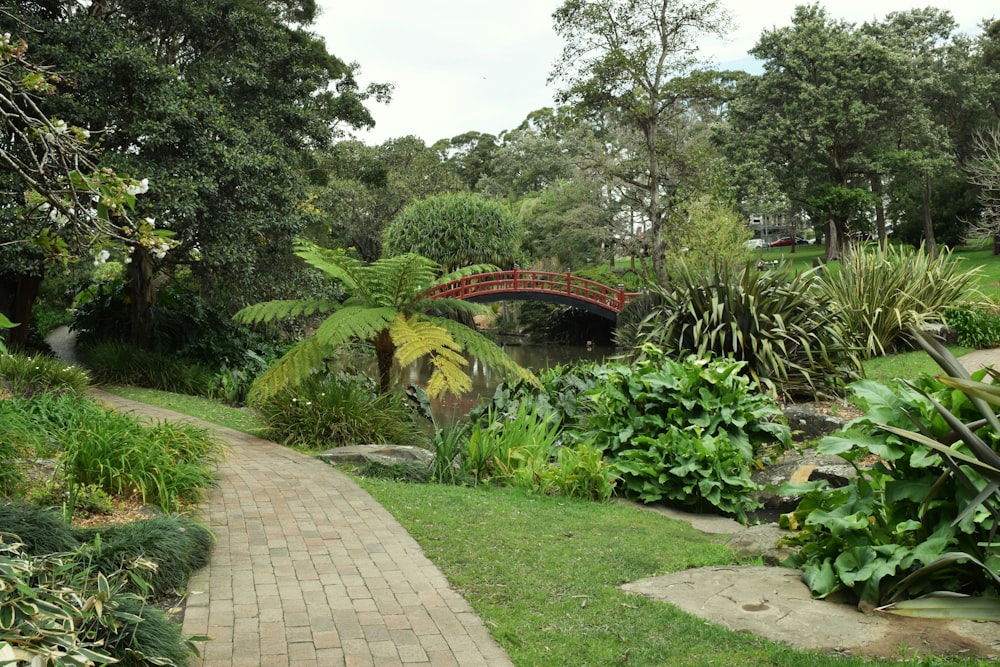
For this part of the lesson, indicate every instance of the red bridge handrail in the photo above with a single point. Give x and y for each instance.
(538, 282)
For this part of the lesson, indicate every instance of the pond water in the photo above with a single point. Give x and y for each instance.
(450, 409)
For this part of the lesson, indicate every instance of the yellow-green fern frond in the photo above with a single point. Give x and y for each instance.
(477, 345)
(294, 367)
(334, 263)
(449, 374)
(353, 322)
(415, 338)
(280, 309)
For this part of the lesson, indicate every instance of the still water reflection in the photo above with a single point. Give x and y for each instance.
(450, 409)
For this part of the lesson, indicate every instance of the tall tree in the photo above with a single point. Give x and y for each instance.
(622, 57)
(215, 103)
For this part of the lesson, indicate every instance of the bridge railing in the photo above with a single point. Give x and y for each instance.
(520, 280)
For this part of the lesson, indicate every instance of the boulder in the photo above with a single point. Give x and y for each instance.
(809, 424)
(383, 454)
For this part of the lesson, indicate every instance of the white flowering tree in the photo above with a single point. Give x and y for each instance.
(59, 202)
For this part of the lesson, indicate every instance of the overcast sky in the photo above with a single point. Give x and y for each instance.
(461, 65)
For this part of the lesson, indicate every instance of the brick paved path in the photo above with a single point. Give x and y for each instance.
(310, 570)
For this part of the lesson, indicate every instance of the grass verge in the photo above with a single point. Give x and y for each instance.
(207, 409)
(544, 572)
(905, 365)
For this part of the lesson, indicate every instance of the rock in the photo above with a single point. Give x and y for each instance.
(761, 541)
(384, 454)
(805, 467)
(808, 424)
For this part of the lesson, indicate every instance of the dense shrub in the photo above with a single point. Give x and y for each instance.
(561, 395)
(333, 410)
(787, 338)
(113, 362)
(881, 294)
(684, 432)
(977, 328)
(57, 611)
(24, 375)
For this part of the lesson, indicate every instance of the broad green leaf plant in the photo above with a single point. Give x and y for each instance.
(923, 518)
(388, 309)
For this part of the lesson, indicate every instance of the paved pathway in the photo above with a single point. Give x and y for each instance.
(310, 570)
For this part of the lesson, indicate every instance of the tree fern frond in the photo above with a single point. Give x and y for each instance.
(449, 374)
(449, 307)
(401, 278)
(353, 322)
(470, 270)
(477, 345)
(280, 309)
(294, 367)
(334, 263)
(415, 338)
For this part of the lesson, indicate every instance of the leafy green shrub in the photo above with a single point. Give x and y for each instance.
(166, 464)
(336, 410)
(88, 498)
(925, 513)
(880, 294)
(175, 545)
(525, 450)
(786, 337)
(684, 432)
(119, 363)
(976, 327)
(455, 229)
(562, 394)
(24, 375)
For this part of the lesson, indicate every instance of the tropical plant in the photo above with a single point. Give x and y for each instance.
(789, 340)
(685, 432)
(389, 310)
(454, 230)
(881, 293)
(924, 517)
(336, 410)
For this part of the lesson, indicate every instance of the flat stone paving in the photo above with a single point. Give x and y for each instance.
(310, 570)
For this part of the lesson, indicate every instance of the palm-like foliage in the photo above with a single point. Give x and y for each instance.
(387, 308)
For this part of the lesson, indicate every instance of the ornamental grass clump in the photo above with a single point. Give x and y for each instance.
(24, 375)
(881, 294)
(787, 338)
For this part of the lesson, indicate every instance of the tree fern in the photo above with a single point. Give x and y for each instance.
(269, 311)
(386, 309)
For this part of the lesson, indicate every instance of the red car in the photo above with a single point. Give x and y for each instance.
(788, 240)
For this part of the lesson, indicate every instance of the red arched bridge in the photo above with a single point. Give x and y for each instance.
(518, 284)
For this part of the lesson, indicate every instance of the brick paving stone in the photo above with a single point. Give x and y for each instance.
(306, 565)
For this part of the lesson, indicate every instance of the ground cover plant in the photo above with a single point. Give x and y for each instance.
(924, 517)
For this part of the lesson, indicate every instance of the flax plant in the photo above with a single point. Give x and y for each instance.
(880, 293)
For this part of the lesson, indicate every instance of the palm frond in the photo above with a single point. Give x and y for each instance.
(477, 345)
(294, 367)
(269, 311)
(353, 322)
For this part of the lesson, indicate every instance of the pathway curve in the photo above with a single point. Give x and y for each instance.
(310, 570)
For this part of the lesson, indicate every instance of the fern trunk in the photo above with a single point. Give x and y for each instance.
(384, 351)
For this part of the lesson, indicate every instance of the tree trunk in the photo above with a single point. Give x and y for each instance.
(876, 181)
(928, 223)
(17, 298)
(833, 242)
(384, 350)
(996, 244)
(142, 296)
